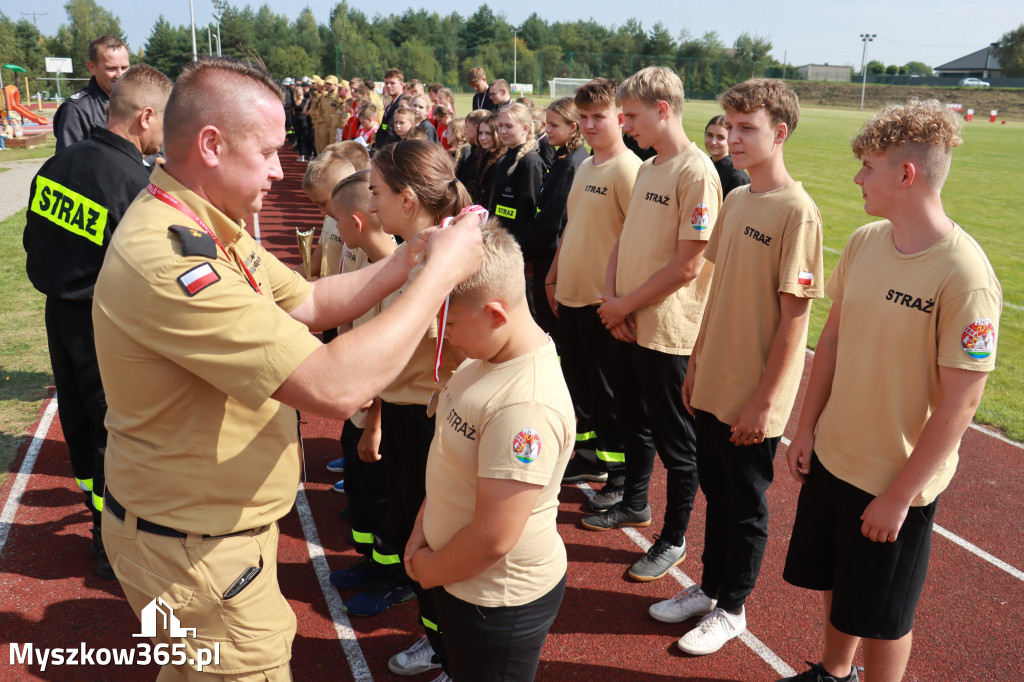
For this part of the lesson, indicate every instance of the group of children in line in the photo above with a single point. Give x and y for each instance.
(678, 291)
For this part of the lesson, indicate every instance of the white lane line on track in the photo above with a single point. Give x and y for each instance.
(969, 546)
(755, 644)
(342, 626)
(21, 478)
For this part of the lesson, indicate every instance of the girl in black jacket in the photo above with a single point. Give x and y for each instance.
(518, 174)
(563, 131)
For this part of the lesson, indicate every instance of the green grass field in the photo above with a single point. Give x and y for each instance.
(979, 196)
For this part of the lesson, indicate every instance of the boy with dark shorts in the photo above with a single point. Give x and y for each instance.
(656, 285)
(746, 368)
(864, 519)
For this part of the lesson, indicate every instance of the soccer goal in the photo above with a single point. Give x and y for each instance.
(565, 87)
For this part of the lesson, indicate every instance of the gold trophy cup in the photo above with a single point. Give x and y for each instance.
(305, 240)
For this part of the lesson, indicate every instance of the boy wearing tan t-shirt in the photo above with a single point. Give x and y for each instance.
(486, 532)
(917, 277)
(656, 284)
(597, 207)
(746, 369)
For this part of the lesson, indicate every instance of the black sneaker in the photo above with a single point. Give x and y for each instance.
(358, 575)
(618, 517)
(379, 596)
(582, 469)
(609, 496)
(817, 673)
(658, 560)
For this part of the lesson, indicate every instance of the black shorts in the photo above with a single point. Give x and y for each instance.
(875, 585)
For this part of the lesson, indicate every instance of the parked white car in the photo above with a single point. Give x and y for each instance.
(974, 83)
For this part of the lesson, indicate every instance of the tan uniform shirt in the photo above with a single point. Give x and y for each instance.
(765, 244)
(512, 421)
(331, 248)
(672, 201)
(190, 355)
(597, 207)
(415, 383)
(903, 317)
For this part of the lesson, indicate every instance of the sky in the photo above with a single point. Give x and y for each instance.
(804, 32)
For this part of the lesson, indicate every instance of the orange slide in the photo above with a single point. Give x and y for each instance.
(14, 102)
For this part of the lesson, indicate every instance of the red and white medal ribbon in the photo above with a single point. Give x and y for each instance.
(189, 213)
(482, 213)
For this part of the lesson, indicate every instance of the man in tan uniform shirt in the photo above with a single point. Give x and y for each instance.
(204, 347)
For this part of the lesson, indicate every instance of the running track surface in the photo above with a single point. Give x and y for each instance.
(967, 623)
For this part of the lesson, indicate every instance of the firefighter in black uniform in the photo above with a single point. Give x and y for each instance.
(75, 203)
(87, 108)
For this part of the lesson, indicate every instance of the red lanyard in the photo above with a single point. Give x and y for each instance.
(189, 213)
(438, 356)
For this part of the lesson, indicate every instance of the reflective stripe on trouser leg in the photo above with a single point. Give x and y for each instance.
(362, 538)
(85, 484)
(612, 457)
(585, 436)
(97, 501)
(386, 559)
(429, 624)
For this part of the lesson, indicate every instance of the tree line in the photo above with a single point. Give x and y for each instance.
(431, 47)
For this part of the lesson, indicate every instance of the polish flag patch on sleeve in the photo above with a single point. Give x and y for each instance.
(198, 278)
(805, 278)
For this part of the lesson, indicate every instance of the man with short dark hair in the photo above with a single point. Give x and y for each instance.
(203, 453)
(500, 93)
(77, 200)
(76, 117)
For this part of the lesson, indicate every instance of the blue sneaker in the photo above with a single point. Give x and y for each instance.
(358, 575)
(336, 465)
(379, 596)
(339, 487)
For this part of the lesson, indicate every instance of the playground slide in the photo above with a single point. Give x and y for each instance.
(14, 101)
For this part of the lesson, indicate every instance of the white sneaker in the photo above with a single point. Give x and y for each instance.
(685, 605)
(419, 658)
(712, 632)
(443, 677)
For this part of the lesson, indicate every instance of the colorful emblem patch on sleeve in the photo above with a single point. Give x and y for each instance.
(198, 278)
(700, 219)
(526, 445)
(978, 339)
(805, 278)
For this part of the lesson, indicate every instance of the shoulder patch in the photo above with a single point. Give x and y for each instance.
(195, 242)
(77, 96)
(978, 339)
(700, 219)
(198, 278)
(526, 445)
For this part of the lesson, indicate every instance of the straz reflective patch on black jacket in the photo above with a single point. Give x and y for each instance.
(69, 209)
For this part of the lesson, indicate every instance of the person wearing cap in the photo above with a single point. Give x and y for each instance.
(289, 104)
(203, 456)
(342, 111)
(328, 108)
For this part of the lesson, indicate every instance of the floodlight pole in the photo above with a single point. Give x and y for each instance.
(192, 14)
(218, 17)
(515, 59)
(866, 38)
(209, 40)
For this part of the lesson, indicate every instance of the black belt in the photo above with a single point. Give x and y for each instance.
(118, 510)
